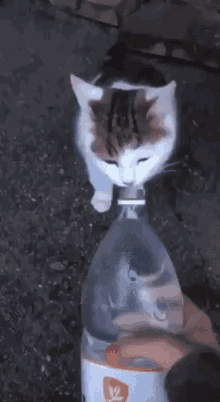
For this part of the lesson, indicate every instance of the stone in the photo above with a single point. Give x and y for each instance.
(159, 49)
(211, 63)
(180, 54)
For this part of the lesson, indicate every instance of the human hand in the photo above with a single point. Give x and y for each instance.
(197, 326)
(166, 349)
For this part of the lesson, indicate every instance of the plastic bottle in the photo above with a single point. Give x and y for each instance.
(131, 288)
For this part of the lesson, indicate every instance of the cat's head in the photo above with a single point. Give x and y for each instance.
(133, 128)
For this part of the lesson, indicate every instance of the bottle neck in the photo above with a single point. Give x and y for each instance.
(132, 202)
(132, 196)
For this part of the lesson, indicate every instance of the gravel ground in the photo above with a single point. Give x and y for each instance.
(49, 230)
(48, 227)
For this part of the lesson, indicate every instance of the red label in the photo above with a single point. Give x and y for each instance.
(115, 390)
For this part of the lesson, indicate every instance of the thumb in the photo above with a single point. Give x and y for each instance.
(197, 326)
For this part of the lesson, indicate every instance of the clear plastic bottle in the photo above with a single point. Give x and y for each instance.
(131, 288)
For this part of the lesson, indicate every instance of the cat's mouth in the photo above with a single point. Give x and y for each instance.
(128, 184)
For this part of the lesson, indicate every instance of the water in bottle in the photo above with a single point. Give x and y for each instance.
(131, 290)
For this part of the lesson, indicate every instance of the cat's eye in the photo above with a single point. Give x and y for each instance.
(143, 160)
(111, 162)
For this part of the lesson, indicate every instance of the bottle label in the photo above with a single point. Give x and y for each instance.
(102, 383)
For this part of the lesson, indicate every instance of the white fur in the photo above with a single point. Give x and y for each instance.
(102, 175)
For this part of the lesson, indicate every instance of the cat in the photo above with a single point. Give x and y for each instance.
(125, 132)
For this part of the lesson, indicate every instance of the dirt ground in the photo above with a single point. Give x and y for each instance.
(49, 230)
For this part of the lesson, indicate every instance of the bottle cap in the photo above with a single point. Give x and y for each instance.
(131, 202)
(132, 196)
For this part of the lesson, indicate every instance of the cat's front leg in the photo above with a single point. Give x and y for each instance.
(101, 201)
(103, 187)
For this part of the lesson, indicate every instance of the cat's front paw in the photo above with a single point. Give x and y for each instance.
(101, 201)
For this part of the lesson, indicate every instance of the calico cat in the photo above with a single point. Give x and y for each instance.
(125, 132)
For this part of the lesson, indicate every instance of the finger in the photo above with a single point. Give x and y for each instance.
(197, 326)
(165, 350)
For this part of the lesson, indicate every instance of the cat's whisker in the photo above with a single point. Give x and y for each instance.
(96, 78)
(172, 164)
(168, 171)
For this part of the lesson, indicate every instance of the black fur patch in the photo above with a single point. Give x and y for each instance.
(122, 108)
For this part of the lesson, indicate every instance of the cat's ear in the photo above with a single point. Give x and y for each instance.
(167, 92)
(159, 101)
(84, 91)
(165, 108)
